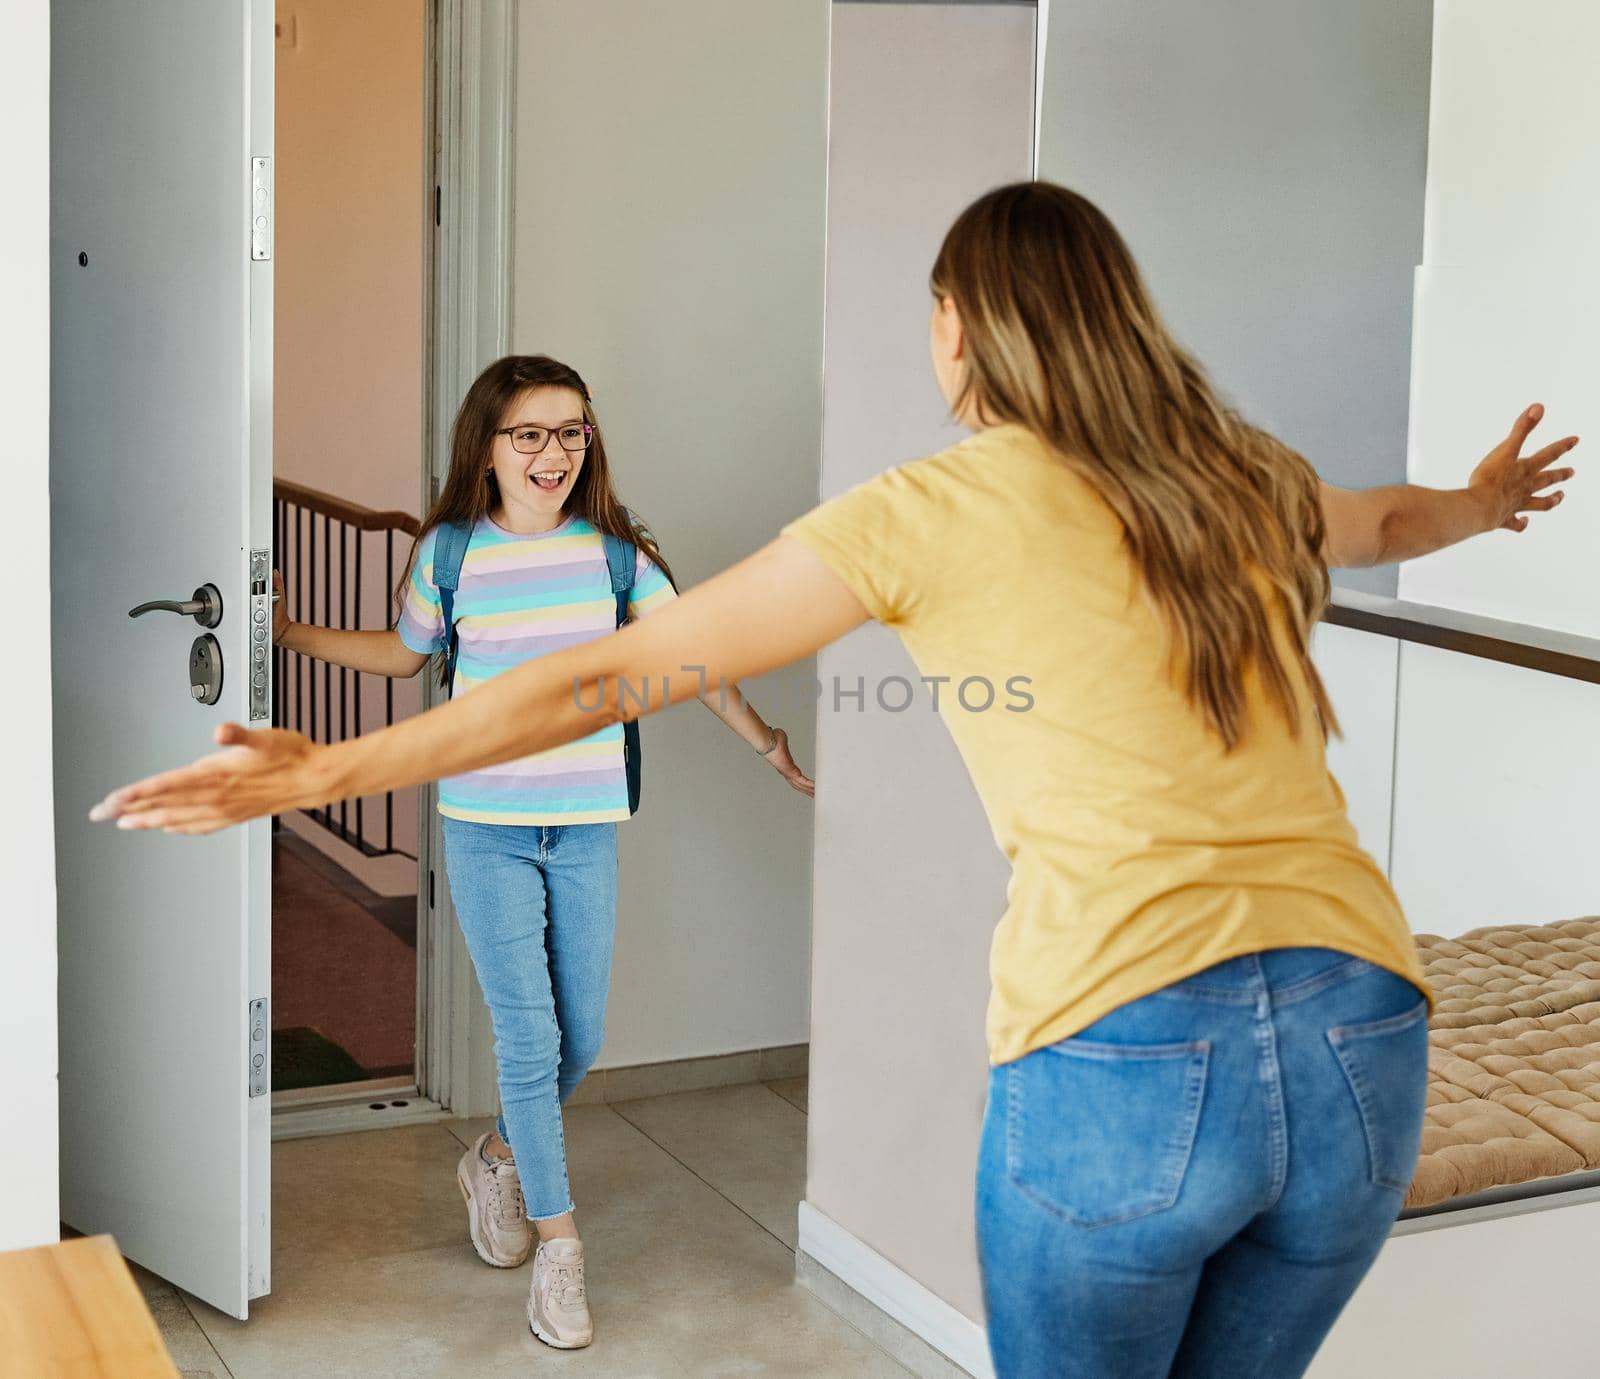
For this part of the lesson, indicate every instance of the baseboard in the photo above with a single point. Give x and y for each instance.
(921, 1330)
(692, 1074)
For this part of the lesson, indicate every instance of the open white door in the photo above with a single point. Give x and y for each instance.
(161, 481)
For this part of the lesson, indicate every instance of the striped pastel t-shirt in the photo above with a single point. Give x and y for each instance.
(520, 597)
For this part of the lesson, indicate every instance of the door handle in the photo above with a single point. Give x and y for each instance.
(205, 607)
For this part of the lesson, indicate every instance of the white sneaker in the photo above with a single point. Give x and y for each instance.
(497, 1219)
(558, 1302)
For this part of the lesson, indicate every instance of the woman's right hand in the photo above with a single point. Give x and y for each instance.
(280, 609)
(265, 771)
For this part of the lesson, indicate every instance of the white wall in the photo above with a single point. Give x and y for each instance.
(1491, 338)
(668, 194)
(1494, 796)
(347, 387)
(1474, 1301)
(908, 883)
(1509, 292)
(1495, 770)
(29, 1174)
(1265, 161)
(1487, 138)
(1362, 673)
(1471, 781)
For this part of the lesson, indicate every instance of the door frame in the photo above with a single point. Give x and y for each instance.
(468, 310)
(466, 313)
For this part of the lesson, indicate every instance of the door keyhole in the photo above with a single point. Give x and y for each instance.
(205, 669)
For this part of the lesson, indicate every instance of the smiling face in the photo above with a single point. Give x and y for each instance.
(535, 488)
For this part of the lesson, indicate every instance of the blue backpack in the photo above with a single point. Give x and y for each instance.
(450, 549)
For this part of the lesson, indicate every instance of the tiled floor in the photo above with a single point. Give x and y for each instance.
(687, 1204)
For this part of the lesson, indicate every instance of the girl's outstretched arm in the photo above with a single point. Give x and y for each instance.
(778, 606)
(372, 652)
(730, 705)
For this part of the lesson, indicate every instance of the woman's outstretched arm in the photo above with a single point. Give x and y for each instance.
(1378, 526)
(777, 606)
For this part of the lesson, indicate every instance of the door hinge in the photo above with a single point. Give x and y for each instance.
(260, 209)
(438, 205)
(430, 888)
(259, 1050)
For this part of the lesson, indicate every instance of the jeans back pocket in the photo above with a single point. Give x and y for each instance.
(1385, 1063)
(1102, 1133)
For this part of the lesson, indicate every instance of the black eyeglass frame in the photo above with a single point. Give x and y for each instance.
(588, 437)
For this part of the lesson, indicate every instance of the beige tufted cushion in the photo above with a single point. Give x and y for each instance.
(1514, 1067)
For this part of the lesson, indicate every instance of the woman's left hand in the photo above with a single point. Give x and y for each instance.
(267, 771)
(1509, 485)
(783, 762)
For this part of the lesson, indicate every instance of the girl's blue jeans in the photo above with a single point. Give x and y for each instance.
(1193, 1186)
(538, 906)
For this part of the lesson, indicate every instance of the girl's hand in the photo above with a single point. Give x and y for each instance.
(280, 609)
(784, 764)
(269, 771)
(1509, 486)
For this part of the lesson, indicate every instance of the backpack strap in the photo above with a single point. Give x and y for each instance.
(449, 551)
(622, 559)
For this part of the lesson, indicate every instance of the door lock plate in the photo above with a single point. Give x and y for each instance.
(260, 635)
(261, 209)
(259, 1053)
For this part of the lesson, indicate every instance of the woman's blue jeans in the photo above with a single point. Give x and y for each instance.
(1193, 1186)
(538, 906)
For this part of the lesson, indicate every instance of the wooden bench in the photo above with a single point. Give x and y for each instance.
(73, 1311)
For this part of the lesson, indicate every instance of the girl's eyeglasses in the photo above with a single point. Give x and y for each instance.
(530, 440)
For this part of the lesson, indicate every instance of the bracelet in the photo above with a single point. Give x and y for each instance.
(770, 745)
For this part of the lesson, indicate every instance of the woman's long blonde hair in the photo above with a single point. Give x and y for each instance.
(1223, 521)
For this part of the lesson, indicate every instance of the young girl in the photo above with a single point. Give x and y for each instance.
(1208, 1027)
(530, 844)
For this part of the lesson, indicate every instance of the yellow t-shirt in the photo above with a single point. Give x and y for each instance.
(1141, 852)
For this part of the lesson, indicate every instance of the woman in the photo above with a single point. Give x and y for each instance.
(1207, 1026)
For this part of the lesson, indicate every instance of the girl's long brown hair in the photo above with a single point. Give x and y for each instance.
(1223, 521)
(470, 489)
